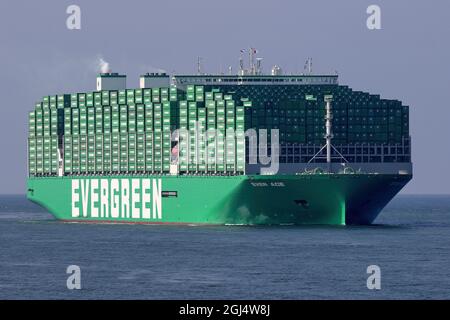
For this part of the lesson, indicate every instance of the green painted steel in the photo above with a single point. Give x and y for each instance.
(287, 199)
(159, 116)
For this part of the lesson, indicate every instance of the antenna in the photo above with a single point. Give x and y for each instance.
(308, 66)
(250, 60)
(253, 67)
(230, 70)
(259, 65)
(328, 135)
(199, 65)
(241, 63)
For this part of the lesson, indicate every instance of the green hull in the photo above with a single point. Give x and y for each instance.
(333, 199)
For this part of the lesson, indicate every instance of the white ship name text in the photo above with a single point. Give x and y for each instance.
(117, 198)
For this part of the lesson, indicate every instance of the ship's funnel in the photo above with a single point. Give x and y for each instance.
(111, 81)
(154, 79)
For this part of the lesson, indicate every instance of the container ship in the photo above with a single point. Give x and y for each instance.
(240, 149)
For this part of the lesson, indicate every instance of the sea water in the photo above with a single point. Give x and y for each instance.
(410, 244)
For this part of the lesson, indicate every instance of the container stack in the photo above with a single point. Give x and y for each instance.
(193, 135)
(211, 134)
(130, 131)
(183, 154)
(157, 134)
(201, 121)
(298, 113)
(220, 134)
(45, 125)
(209, 142)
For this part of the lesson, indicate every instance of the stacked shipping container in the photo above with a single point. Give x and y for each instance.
(211, 135)
(45, 127)
(129, 131)
(298, 112)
